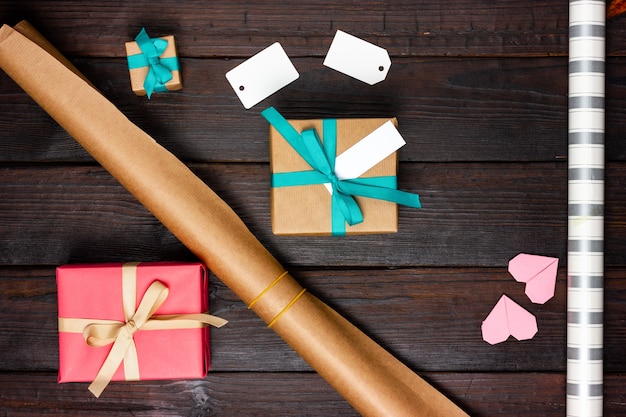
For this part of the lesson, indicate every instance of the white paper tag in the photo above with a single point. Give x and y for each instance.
(366, 153)
(358, 58)
(262, 75)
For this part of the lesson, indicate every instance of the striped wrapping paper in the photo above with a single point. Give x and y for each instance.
(585, 256)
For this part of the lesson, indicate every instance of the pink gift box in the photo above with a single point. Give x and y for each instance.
(94, 291)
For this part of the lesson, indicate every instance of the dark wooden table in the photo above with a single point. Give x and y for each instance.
(480, 92)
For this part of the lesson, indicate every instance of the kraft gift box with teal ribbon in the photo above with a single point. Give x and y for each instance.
(302, 156)
(153, 64)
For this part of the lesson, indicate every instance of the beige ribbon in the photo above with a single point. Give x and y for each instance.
(99, 333)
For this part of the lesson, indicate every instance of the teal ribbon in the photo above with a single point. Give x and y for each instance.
(321, 157)
(160, 71)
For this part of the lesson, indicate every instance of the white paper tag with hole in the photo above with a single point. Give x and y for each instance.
(262, 75)
(358, 58)
(366, 153)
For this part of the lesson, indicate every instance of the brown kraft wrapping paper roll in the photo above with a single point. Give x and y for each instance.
(367, 376)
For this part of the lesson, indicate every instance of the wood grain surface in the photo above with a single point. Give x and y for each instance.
(480, 92)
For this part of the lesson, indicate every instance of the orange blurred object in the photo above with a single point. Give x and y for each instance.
(616, 7)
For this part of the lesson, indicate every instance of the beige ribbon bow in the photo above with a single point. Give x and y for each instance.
(99, 333)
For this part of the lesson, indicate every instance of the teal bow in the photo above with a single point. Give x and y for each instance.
(160, 71)
(321, 157)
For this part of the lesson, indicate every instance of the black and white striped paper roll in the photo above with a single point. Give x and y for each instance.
(585, 254)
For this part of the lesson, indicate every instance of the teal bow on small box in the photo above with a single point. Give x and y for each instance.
(320, 156)
(153, 63)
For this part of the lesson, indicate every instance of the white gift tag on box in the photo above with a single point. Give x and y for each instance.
(262, 75)
(366, 153)
(358, 58)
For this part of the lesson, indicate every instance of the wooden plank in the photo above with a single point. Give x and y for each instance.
(472, 215)
(240, 29)
(428, 317)
(232, 29)
(280, 394)
(448, 109)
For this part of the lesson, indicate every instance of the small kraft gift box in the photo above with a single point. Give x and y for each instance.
(153, 64)
(313, 193)
(133, 321)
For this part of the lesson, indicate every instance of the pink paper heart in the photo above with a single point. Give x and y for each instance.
(507, 318)
(539, 274)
